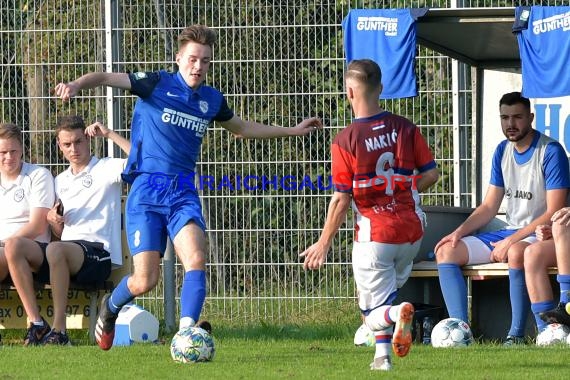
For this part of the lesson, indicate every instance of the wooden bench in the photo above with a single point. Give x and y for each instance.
(83, 300)
(478, 272)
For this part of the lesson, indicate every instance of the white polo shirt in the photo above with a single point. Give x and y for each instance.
(92, 204)
(33, 188)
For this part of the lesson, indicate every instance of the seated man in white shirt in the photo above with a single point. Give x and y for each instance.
(89, 226)
(26, 196)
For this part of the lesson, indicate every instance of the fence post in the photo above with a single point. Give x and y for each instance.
(169, 290)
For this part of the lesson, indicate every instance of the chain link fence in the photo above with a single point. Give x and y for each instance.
(277, 62)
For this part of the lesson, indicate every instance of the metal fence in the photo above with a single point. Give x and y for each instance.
(277, 62)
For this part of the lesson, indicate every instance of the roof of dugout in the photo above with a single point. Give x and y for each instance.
(480, 37)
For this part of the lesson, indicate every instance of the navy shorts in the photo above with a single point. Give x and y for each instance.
(96, 264)
(42, 275)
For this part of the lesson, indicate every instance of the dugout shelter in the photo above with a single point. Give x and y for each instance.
(487, 56)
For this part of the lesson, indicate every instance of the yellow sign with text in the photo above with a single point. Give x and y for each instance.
(13, 314)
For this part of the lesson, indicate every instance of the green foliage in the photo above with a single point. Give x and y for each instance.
(278, 63)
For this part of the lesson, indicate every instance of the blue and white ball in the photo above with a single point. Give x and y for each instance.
(451, 332)
(364, 337)
(192, 345)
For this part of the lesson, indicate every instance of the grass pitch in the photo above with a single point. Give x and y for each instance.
(281, 352)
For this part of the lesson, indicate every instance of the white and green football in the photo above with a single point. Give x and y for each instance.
(192, 345)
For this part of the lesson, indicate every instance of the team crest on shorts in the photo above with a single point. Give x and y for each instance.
(19, 194)
(87, 181)
(203, 106)
(140, 75)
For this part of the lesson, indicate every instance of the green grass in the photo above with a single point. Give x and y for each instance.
(281, 352)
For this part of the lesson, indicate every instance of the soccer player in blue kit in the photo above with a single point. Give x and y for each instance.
(169, 121)
(530, 174)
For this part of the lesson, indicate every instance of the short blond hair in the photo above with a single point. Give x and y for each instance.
(366, 72)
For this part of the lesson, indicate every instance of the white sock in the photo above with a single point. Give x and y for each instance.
(394, 313)
(377, 319)
(186, 322)
(383, 342)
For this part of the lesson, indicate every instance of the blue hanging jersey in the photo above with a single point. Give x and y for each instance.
(388, 37)
(169, 123)
(543, 35)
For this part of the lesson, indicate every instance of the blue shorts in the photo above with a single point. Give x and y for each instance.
(495, 236)
(156, 211)
(96, 264)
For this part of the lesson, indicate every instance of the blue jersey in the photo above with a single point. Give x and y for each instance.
(169, 123)
(554, 166)
(543, 35)
(388, 37)
(526, 177)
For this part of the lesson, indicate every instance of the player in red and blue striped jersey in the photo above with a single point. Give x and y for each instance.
(380, 163)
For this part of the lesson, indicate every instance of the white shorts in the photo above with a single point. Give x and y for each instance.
(380, 269)
(480, 253)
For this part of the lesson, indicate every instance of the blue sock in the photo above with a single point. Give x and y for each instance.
(520, 302)
(538, 308)
(120, 297)
(564, 281)
(193, 294)
(454, 290)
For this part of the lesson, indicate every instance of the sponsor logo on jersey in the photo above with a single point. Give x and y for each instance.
(521, 194)
(168, 93)
(518, 194)
(552, 23)
(19, 194)
(184, 120)
(388, 25)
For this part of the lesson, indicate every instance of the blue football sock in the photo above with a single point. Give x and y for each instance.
(120, 297)
(520, 302)
(454, 290)
(538, 308)
(193, 294)
(564, 281)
